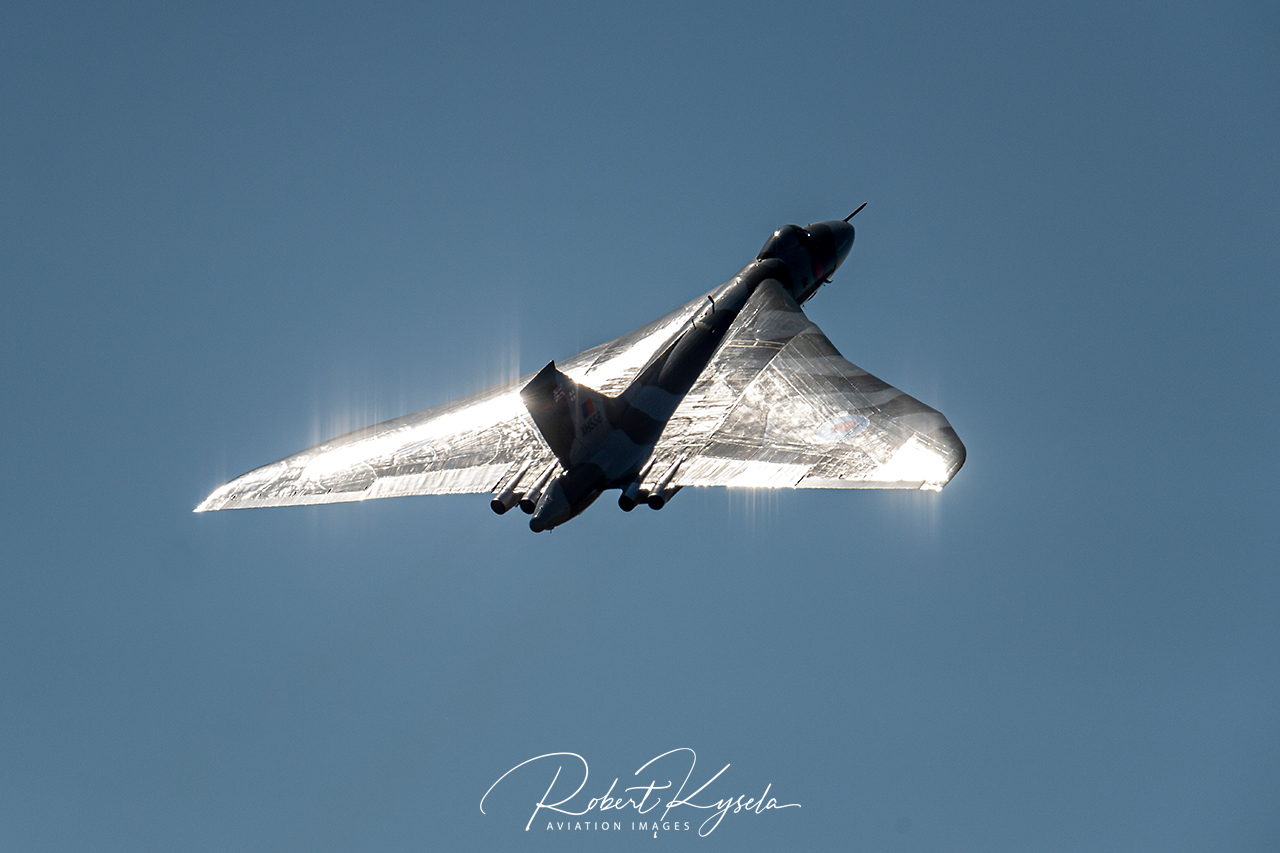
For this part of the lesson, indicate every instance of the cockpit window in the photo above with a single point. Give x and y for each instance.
(782, 241)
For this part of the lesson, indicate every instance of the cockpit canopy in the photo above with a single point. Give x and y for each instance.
(811, 254)
(784, 242)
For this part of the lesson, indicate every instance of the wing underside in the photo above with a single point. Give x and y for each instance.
(780, 408)
(777, 407)
(469, 445)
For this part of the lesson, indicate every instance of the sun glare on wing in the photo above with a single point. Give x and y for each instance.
(467, 420)
(915, 462)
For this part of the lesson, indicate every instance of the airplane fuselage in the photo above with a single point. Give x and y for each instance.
(799, 259)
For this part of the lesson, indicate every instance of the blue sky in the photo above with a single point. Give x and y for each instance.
(230, 232)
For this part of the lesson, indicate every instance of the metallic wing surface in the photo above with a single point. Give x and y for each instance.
(735, 388)
(466, 446)
(780, 408)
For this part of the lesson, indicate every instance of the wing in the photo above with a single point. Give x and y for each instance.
(469, 445)
(779, 407)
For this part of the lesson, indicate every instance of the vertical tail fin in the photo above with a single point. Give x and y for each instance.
(573, 418)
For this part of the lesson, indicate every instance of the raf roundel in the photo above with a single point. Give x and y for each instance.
(842, 426)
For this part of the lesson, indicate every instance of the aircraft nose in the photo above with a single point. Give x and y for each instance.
(843, 234)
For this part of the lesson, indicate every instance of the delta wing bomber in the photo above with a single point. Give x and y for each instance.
(735, 388)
